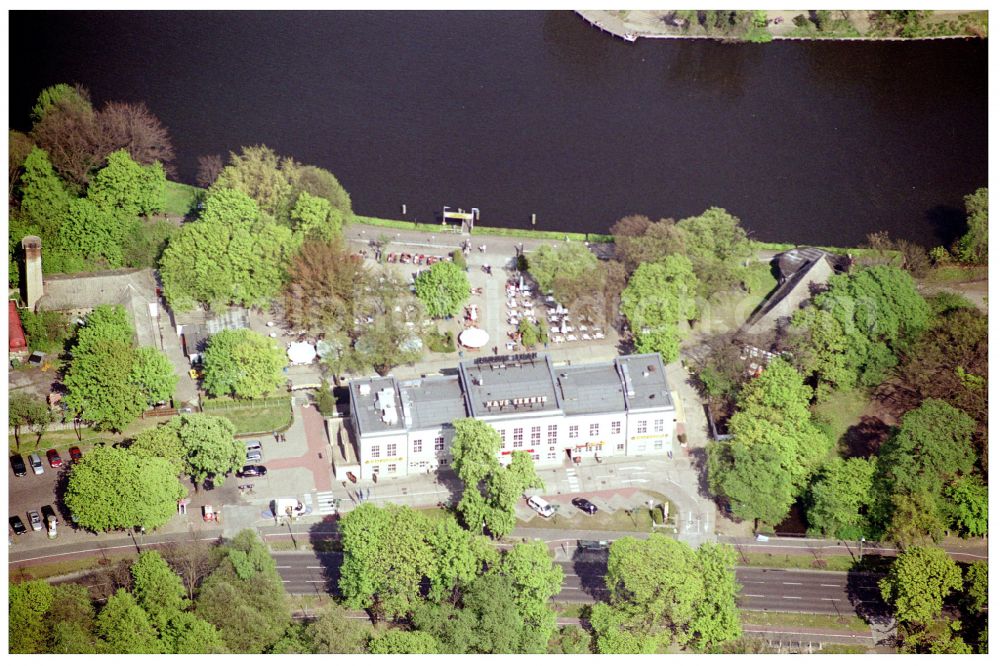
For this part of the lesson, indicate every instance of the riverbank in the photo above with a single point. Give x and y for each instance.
(797, 25)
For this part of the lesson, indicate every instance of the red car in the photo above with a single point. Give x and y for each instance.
(75, 454)
(54, 459)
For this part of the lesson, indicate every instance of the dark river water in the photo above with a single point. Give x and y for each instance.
(535, 112)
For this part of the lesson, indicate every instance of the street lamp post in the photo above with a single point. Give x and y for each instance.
(861, 550)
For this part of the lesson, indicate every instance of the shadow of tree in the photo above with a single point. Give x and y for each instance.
(591, 566)
(324, 537)
(865, 438)
(862, 588)
(699, 461)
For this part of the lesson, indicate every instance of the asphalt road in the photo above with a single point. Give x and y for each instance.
(307, 572)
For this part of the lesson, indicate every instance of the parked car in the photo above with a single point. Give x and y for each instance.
(36, 463)
(54, 459)
(17, 525)
(252, 470)
(49, 512)
(254, 451)
(17, 464)
(543, 508)
(584, 505)
(35, 520)
(75, 454)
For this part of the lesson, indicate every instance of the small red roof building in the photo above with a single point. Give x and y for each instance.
(15, 332)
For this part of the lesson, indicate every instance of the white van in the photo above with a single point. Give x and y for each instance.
(543, 508)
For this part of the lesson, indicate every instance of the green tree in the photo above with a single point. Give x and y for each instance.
(71, 617)
(333, 632)
(257, 172)
(244, 591)
(772, 429)
(853, 333)
(535, 579)
(124, 627)
(918, 582)
(976, 588)
(230, 255)
(28, 604)
(242, 363)
(718, 248)
(44, 199)
(717, 620)
(105, 322)
(113, 488)
(618, 632)
(569, 261)
(153, 373)
(969, 499)
(157, 589)
(459, 557)
(99, 386)
(210, 447)
(312, 217)
(50, 97)
(974, 246)
(321, 183)
(658, 298)
(398, 641)
(639, 240)
(25, 410)
(98, 234)
(442, 288)
(127, 188)
(161, 442)
(186, 633)
(571, 639)
(839, 496)
(325, 287)
(385, 559)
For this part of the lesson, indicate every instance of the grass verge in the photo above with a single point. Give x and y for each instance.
(569, 609)
(840, 411)
(842, 649)
(181, 198)
(63, 439)
(50, 569)
(483, 231)
(808, 620)
(955, 273)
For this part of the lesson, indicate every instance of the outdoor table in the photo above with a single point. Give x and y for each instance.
(571, 337)
(585, 336)
(553, 329)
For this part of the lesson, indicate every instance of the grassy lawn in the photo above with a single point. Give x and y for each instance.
(49, 569)
(760, 280)
(770, 560)
(842, 649)
(63, 439)
(569, 610)
(808, 620)
(254, 419)
(181, 198)
(841, 410)
(946, 274)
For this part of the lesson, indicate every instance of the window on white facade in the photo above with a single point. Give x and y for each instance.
(376, 451)
(658, 444)
(375, 469)
(418, 445)
(621, 446)
(551, 455)
(536, 436)
(518, 437)
(658, 425)
(574, 432)
(439, 443)
(503, 436)
(553, 434)
(390, 449)
(391, 469)
(595, 429)
(616, 427)
(641, 427)
(535, 456)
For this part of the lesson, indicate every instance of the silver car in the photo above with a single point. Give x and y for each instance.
(36, 463)
(254, 451)
(34, 520)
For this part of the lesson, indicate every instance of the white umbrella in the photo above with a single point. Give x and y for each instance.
(474, 337)
(300, 353)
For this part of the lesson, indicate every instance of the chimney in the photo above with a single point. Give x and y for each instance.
(31, 288)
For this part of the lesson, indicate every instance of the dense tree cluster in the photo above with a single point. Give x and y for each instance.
(109, 381)
(662, 592)
(775, 446)
(197, 444)
(442, 288)
(660, 297)
(243, 363)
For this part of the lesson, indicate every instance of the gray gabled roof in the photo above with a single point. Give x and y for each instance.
(590, 389)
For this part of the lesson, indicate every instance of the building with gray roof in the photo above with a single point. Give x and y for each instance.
(613, 408)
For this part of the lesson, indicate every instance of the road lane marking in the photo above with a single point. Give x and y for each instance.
(283, 566)
(791, 597)
(755, 595)
(828, 585)
(788, 583)
(315, 567)
(827, 599)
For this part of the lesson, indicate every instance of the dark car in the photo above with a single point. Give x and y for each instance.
(17, 525)
(252, 470)
(48, 512)
(17, 464)
(584, 505)
(75, 454)
(54, 459)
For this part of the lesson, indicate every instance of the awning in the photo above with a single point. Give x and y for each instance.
(474, 337)
(301, 353)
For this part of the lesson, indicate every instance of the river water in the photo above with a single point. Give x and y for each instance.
(535, 112)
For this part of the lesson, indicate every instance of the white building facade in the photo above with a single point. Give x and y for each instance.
(615, 408)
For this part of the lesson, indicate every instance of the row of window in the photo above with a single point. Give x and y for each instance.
(536, 437)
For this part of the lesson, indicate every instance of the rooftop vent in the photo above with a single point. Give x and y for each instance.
(385, 403)
(364, 389)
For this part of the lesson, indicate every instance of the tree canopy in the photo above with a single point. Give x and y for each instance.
(660, 296)
(126, 187)
(325, 284)
(839, 496)
(774, 449)
(124, 627)
(918, 582)
(242, 363)
(718, 248)
(198, 444)
(639, 240)
(569, 261)
(113, 488)
(974, 246)
(442, 288)
(398, 641)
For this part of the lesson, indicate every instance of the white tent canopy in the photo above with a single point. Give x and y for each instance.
(474, 337)
(300, 353)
